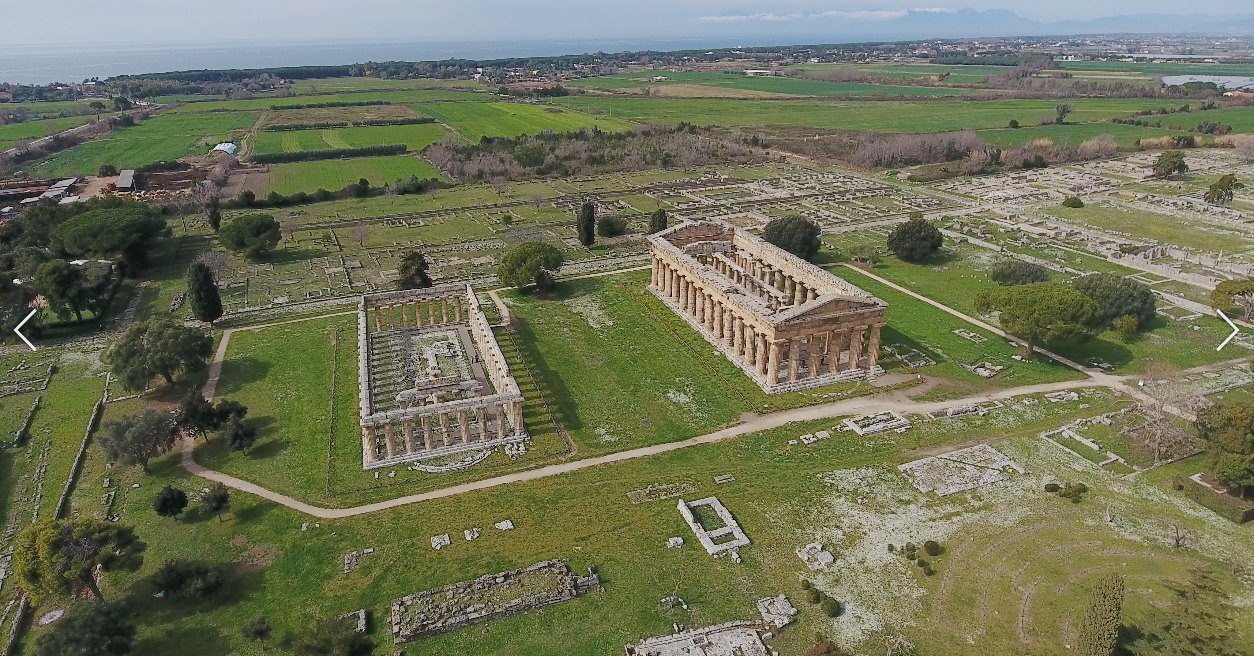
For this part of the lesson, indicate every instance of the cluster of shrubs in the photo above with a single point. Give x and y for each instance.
(825, 602)
(1073, 202)
(1168, 141)
(911, 552)
(1137, 121)
(287, 127)
(1073, 491)
(611, 226)
(333, 153)
(338, 103)
(359, 189)
(189, 579)
(824, 647)
(1213, 127)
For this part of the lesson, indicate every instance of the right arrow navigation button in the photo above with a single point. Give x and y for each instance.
(1235, 330)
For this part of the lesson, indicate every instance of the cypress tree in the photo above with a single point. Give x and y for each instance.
(202, 292)
(1099, 631)
(657, 220)
(215, 213)
(586, 224)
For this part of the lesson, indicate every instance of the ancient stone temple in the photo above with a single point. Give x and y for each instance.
(787, 323)
(434, 384)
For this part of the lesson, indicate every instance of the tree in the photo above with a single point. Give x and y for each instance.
(1039, 312)
(611, 226)
(58, 557)
(1166, 394)
(1197, 619)
(98, 107)
(137, 439)
(239, 436)
(1127, 326)
(795, 234)
(217, 500)
(530, 263)
(196, 416)
(253, 234)
(1170, 163)
(657, 220)
(334, 637)
(170, 502)
(61, 283)
(247, 198)
(1017, 272)
(585, 223)
(257, 629)
(1099, 630)
(191, 579)
(202, 293)
(1234, 294)
(158, 346)
(1116, 296)
(89, 630)
(1228, 432)
(360, 231)
(127, 230)
(1073, 202)
(915, 240)
(1014, 124)
(107, 170)
(1222, 191)
(1061, 112)
(413, 271)
(214, 212)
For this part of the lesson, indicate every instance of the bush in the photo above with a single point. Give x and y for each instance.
(1017, 272)
(254, 234)
(194, 580)
(1127, 326)
(831, 607)
(813, 596)
(333, 153)
(795, 234)
(915, 240)
(932, 548)
(806, 584)
(107, 170)
(922, 563)
(1226, 506)
(1052, 487)
(611, 226)
(1073, 202)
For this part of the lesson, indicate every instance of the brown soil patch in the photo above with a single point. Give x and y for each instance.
(256, 559)
(239, 541)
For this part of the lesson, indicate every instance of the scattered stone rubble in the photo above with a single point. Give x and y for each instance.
(777, 611)
(486, 598)
(815, 556)
(877, 423)
(960, 471)
(740, 638)
(440, 541)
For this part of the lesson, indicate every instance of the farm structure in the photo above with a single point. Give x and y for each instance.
(787, 323)
(434, 383)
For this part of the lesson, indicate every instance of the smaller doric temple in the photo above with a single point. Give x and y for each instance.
(434, 383)
(787, 323)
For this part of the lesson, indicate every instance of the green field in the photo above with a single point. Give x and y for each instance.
(384, 95)
(781, 85)
(507, 119)
(415, 138)
(1179, 231)
(1071, 134)
(886, 116)
(162, 137)
(958, 74)
(334, 174)
(13, 132)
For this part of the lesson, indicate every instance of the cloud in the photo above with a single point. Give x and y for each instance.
(869, 15)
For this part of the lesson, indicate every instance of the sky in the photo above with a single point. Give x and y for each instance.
(152, 22)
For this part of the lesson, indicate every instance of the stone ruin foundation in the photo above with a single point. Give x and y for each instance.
(960, 471)
(435, 386)
(716, 540)
(489, 597)
(740, 638)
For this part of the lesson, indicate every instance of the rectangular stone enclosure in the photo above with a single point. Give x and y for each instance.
(434, 384)
(787, 323)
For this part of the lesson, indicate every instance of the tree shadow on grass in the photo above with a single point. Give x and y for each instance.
(238, 586)
(560, 398)
(1084, 350)
(175, 639)
(237, 373)
(269, 448)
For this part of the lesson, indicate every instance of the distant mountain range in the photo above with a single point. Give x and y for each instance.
(958, 23)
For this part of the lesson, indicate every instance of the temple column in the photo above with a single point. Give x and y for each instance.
(699, 311)
(482, 418)
(719, 311)
(431, 312)
(378, 321)
(463, 425)
(751, 347)
(794, 353)
(457, 302)
(407, 430)
(428, 440)
(762, 353)
(799, 294)
(389, 440)
(789, 289)
(873, 349)
(772, 363)
(369, 444)
(738, 336)
(518, 416)
(404, 316)
(444, 310)
(444, 429)
(501, 428)
(855, 347)
(815, 352)
(653, 273)
(683, 294)
(417, 314)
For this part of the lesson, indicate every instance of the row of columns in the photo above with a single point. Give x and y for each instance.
(793, 291)
(437, 311)
(403, 436)
(753, 346)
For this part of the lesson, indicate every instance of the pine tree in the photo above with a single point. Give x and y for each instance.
(413, 271)
(202, 293)
(1099, 631)
(587, 223)
(657, 220)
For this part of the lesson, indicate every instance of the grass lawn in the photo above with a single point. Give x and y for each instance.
(886, 116)
(1071, 134)
(510, 119)
(163, 137)
(334, 174)
(13, 132)
(842, 491)
(415, 137)
(1179, 231)
(781, 85)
